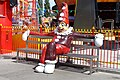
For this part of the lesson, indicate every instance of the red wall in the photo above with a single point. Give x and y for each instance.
(5, 26)
(6, 11)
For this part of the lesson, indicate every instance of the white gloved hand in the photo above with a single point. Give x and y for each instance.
(25, 35)
(99, 40)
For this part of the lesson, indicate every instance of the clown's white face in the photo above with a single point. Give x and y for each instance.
(62, 27)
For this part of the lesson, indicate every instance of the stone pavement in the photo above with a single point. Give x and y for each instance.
(10, 70)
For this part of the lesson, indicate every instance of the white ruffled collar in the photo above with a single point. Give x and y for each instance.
(65, 32)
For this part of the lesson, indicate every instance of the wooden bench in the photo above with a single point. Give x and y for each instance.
(33, 45)
(85, 44)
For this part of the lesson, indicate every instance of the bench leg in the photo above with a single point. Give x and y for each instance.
(26, 56)
(97, 64)
(91, 65)
(58, 63)
(17, 57)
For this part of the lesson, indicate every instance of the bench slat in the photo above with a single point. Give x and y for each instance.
(80, 56)
(29, 50)
(43, 37)
(84, 39)
(84, 46)
(36, 42)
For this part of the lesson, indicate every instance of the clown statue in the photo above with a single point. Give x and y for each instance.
(61, 43)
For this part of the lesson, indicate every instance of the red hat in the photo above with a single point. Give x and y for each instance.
(64, 14)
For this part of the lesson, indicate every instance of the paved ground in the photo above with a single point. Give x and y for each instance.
(10, 70)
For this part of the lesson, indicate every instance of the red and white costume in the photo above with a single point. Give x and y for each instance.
(63, 35)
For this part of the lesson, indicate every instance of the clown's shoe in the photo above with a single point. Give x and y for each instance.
(40, 68)
(50, 66)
